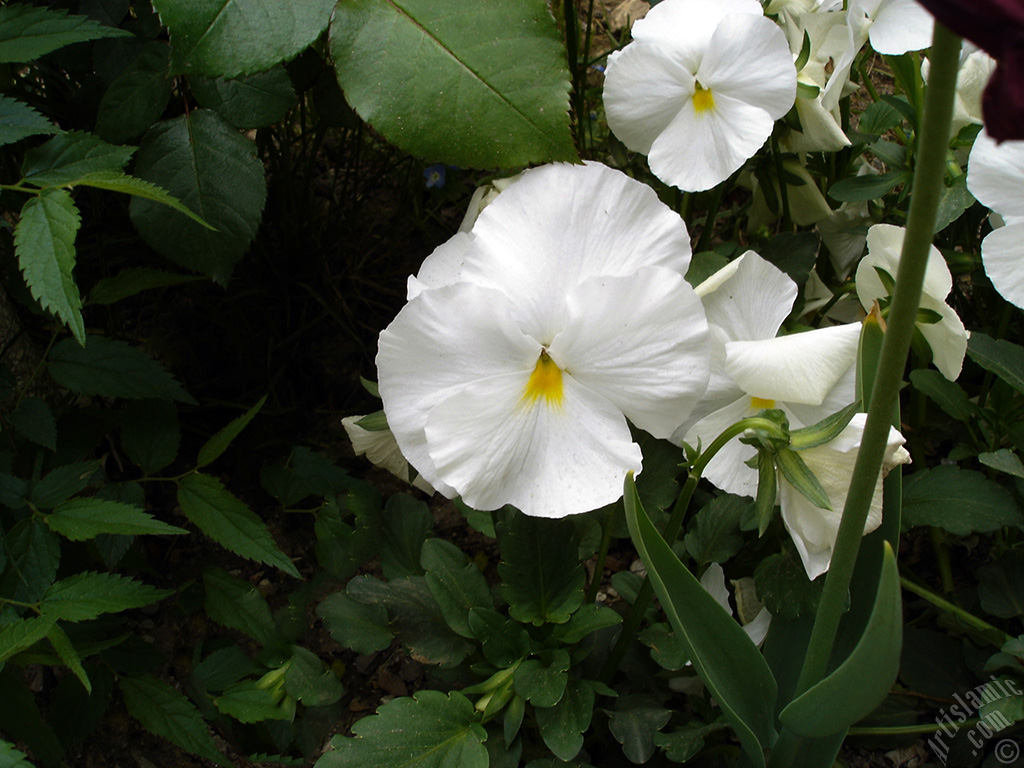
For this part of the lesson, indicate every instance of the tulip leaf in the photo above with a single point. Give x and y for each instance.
(498, 68)
(725, 658)
(861, 682)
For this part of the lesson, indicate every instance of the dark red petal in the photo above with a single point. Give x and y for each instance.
(990, 24)
(1002, 104)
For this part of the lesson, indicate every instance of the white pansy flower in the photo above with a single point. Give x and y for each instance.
(814, 529)
(947, 337)
(699, 88)
(483, 196)
(752, 614)
(510, 374)
(807, 375)
(995, 175)
(380, 447)
(976, 68)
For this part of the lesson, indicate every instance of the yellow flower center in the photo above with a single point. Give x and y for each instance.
(545, 381)
(759, 403)
(702, 99)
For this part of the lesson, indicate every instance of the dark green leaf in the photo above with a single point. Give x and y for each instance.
(946, 394)
(68, 655)
(793, 253)
(359, 626)
(138, 97)
(19, 120)
(562, 725)
(11, 757)
(33, 419)
(456, 584)
(33, 554)
(253, 101)
(223, 668)
(20, 715)
(954, 199)
(115, 181)
(150, 435)
(28, 32)
(309, 681)
(870, 186)
(503, 641)
(499, 67)
(44, 240)
(1004, 358)
(13, 492)
(248, 702)
(23, 633)
(685, 742)
(543, 684)
(783, 586)
(228, 521)
(960, 501)
(714, 535)
(1004, 460)
(878, 118)
(84, 518)
(214, 171)
(219, 442)
(407, 523)
(429, 730)
(702, 266)
(68, 157)
(634, 722)
(111, 368)
(63, 482)
(587, 618)
(1001, 586)
(86, 595)
(129, 282)
(239, 605)
(667, 650)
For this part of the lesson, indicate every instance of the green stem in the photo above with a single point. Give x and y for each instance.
(787, 218)
(908, 730)
(938, 538)
(968, 619)
(602, 552)
(928, 185)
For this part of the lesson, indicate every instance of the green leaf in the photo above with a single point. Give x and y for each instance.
(588, 618)
(18, 120)
(228, 521)
(23, 633)
(543, 684)
(111, 368)
(867, 187)
(407, 523)
(456, 584)
(219, 442)
(115, 181)
(247, 702)
(66, 651)
(685, 742)
(723, 655)
(166, 713)
(212, 37)
(960, 501)
(66, 158)
(359, 626)
(634, 722)
(129, 282)
(86, 595)
(150, 435)
(253, 101)
(879, 117)
(667, 650)
(44, 240)
(1001, 586)
(429, 730)
(862, 681)
(946, 394)
(783, 586)
(63, 482)
(954, 199)
(33, 554)
(562, 725)
(499, 67)
(541, 580)
(33, 419)
(223, 668)
(1004, 460)
(800, 477)
(1005, 359)
(714, 535)
(138, 97)
(85, 518)
(28, 32)
(11, 757)
(503, 641)
(308, 680)
(214, 171)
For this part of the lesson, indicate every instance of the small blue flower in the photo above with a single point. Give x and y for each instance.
(434, 176)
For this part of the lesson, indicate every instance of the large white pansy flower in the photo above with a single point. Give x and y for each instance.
(699, 88)
(947, 337)
(995, 175)
(814, 529)
(807, 375)
(528, 342)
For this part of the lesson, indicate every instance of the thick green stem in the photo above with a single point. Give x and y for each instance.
(969, 619)
(928, 185)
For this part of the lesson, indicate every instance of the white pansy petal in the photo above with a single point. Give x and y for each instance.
(548, 460)
(885, 245)
(947, 338)
(841, 395)
(1002, 252)
(380, 447)
(561, 224)
(995, 173)
(442, 267)
(901, 26)
(820, 131)
(799, 368)
(684, 28)
(423, 356)
(748, 59)
(641, 342)
(748, 298)
(757, 630)
(713, 581)
(698, 151)
(728, 469)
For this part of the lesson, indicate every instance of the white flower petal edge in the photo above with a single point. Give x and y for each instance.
(814, 530)
(380, 447)
(901, 26)
(995, 173)
(1002, 252)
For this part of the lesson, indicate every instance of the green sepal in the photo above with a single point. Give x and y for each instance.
(807, 91)
(800, 477)
(888, 283)
(767, 491)
(824, 431)
(805, 53)
(374, 422)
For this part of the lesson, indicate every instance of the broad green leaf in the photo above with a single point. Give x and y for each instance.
(66, 158)
(954, 199)
(456, 584)
(503, 641)
(667, 650)
(212, 37)
(342, 548)
(219, 442)
(129, 282)
(428, 730)
(115, 181)
(946, 394)
(63, 482)
(23, 633)
(714, 535)
(683, 743)
(44, 240)
(13, 492)
(359, 626)
(1004, 460)
(588, 618)
(86, 595)
(11, 757)
(228, 521)
(138, 97)
(960, 501)
(223, 668)
(112, 368)
(541, 580)
(498, 67)
(1004, 358)
(562, 725)
(783, 586)
(867, 187)
(407, 523)
(33, 554)
(634, 722)
(858, 685)
(18, 120)
(84, 518)
(723, 655)
(213, 170)
(150, 434)
(879, 117)
(33, 419)
(543, 682)
(252, 101)
(166, 713)
(248, 702)
(1001, 586)
(20, 715)
(310, 681)
(66, 651)
(28, 32)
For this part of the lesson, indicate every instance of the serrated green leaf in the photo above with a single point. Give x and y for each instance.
(111, 368)
(166, 713)
(1004, 358)
(84, 518)
(28, 32)
(18, 120)
(359, 626)
(245, 36)
(212, 170)
(247, 702)
(66, 651)
(428, 730)
(24, 633)
(239, 605)
(44, 240)
(116, 181)
(66, 158)
(33, 419)
(33, 554)
(86, 595)
(499, 67)
(223, 668)
(150, 434)
(456, 584)
(11, 757)
(251, 101)
(309, 680)
(129, 282)
(960, 501)
(879, 117)
(137, 97)
(219, 442)
(228, 521)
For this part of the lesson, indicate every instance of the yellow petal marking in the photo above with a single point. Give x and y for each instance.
(702, 99)
(759, 403)
(545, 381)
